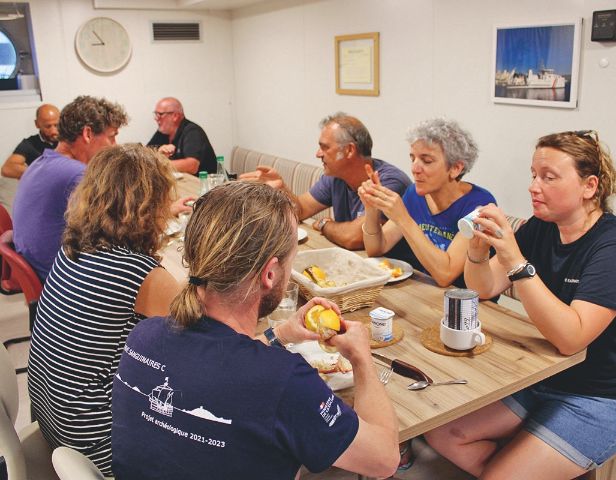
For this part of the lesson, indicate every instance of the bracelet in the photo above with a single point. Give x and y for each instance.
(363, 229)
(517, 269)
(477, 262)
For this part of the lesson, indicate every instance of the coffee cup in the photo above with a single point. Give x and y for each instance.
(466, 224)
(461, 339)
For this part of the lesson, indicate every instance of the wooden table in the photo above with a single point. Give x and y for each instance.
(518, 357)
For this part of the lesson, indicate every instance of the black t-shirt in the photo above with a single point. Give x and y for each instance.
(32, 147)
(581, 270)
(190, 141)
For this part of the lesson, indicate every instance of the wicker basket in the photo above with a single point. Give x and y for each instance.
(361, 281)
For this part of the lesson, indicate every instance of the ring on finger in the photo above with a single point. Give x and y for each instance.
(498, 233)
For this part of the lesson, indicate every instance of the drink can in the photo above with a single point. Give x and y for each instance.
(461, 307)
(381, 321)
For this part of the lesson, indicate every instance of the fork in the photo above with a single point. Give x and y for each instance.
(385, 375)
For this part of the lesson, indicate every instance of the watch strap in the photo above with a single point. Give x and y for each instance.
(527, 271)
(271, 338)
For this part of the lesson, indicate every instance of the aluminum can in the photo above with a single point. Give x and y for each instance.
(460, 308)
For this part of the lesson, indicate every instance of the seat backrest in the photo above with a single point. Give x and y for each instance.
(73, 465)
(5, 220)
(20, 269)
(10, 446)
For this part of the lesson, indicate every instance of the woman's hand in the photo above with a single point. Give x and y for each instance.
(383, 199)
(495, 232)
(294, 329)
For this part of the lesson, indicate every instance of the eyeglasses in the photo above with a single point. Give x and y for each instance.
(161, 114)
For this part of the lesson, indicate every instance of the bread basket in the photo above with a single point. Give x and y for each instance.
(358, 282)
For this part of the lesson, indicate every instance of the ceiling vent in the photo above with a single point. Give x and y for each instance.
(176, 31)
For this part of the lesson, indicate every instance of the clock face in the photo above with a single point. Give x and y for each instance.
(103, 44)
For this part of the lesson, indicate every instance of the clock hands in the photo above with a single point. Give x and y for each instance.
(101, 42)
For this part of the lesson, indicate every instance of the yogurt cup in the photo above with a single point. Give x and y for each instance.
(466, 224)
(381, 321)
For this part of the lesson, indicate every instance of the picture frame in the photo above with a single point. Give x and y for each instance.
(537, 64)
(357, 64)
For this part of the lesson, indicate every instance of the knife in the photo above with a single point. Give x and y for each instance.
(402, 368)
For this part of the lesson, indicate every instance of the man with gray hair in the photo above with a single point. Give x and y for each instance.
(345, 148)
(184, 142)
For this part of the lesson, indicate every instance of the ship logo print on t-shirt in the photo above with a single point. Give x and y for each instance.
(324, 411)
(161, 401)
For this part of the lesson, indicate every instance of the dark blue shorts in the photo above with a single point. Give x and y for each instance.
(581, 428)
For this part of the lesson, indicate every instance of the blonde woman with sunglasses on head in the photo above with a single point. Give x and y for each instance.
(562, 264)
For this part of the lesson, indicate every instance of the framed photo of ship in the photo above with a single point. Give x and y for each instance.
(537, 64)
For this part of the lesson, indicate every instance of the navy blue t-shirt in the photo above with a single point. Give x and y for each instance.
(580, 270)
(440, 228)
(335, 192)
(208, 402)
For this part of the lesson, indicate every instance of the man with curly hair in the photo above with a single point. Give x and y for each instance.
(87, 125)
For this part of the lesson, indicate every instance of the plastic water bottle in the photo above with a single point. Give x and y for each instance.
(205, 186)
(220, 167)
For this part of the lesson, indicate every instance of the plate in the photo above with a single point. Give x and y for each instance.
(311, 351)
(407, 270)
(301, 234)
(173, 226)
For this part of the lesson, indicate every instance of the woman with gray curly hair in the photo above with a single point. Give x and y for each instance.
(425, 219)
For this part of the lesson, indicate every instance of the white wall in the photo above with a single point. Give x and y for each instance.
(436, 59)
(199, 74)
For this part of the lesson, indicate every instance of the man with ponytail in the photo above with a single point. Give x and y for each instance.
(198, 395)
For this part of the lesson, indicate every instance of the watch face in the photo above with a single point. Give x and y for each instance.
(103, 44)
(530, 269)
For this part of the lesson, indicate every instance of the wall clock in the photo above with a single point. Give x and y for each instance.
(103, 44)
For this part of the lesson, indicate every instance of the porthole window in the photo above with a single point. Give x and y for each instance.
(8, 56)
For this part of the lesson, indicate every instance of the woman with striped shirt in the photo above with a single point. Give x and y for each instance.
(105, 279)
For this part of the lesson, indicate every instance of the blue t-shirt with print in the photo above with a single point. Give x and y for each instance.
(208, 402)
(439, 228)
(334, 192)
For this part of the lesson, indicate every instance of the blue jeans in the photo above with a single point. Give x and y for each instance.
(580, 427)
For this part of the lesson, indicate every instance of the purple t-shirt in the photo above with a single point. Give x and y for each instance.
(208, 402)
(334, 192)
(39, 206)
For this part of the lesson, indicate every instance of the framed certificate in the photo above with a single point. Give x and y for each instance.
(357, 64)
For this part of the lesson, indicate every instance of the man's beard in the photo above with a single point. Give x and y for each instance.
(270, 301)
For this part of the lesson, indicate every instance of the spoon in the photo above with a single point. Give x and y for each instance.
(421, 384)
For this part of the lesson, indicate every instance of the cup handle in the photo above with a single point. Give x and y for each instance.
(479, 338)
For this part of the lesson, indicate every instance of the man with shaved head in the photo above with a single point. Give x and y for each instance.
(29, 149)
(182, 141)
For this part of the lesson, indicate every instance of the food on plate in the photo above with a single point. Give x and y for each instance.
(343, 365)
(317, 275)
(395, 272)
(325, 322)
(329, 365)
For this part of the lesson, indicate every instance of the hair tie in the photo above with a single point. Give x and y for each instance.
(195, 281)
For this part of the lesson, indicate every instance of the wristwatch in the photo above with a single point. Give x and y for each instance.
(321, 223)
(271, 338)
(525, 270)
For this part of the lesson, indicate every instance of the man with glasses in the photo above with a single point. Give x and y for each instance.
(345, 148)
(182, 141)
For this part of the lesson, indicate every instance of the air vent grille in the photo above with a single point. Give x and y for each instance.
(176, 31)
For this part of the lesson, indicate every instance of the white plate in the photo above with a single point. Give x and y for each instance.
(407, 270)
(173, 226)
(312, 351)
(178, 175)
(301, 234)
